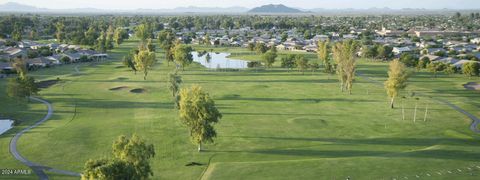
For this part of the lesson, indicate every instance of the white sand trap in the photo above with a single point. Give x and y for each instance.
(5, 125)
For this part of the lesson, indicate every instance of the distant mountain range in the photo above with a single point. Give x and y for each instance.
(274, 8)
(266, 9)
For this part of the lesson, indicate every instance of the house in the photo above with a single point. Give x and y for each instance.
(431, 57)
(350, 36)
(475, 41)
(5, 66)
(435, 50)
(447, 60)
(401, 50)
(460, 63)
(74, 57)
(38, 62)
(14, 52)
(310, 48)
(386, 32)
(55, 59)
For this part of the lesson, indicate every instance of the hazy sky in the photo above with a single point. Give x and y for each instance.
(328, 4)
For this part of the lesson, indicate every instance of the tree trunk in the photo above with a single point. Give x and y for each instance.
(199, 147)
(391, 102)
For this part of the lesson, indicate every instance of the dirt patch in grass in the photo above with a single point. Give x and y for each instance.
(47, 83)
(472, 86)
(118, 88)
(118, 67)
(138, 90)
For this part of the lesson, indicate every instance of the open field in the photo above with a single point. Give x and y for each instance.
(276, 124)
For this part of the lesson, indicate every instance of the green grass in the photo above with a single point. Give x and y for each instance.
(276, 124)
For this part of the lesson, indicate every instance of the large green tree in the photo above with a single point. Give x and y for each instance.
(471, 69)
(198, 112)
(131, 160)
(166, 39)
(144, 60)
(182, 54)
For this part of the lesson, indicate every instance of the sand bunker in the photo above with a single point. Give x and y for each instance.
(472, 86)
(46, 84)
(118, 88)
(138, 90)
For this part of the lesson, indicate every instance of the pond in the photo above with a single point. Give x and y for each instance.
(5, 125)
(219, 60)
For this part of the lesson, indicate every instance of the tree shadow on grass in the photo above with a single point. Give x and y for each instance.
(430, 154)
(377, 141)
(113, 104)
(311, 100)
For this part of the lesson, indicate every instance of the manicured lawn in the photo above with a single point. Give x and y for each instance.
(276, 124)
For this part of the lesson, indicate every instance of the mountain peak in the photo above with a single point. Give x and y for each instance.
(274, 8)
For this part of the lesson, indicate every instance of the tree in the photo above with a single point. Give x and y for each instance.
(397, 80)
(369, 52)
(143, 32)
(288, 61)
(260, 48)
(251, 46)
(33, 34)
(323, 55)
(109, 38)
(198, 112)
(131, 160)
(150, 46)
(20, 67)
(408, 60)
(182, 54)
(269, 58)
(302, 63)
(166, 40)
(119, 35)
(471, 69)
(450, 69)
(60, 34)
(65, 59)
(23, 86)
(174, 81)
(101, 42)
(314, 66)
(384, 52)
(422, 63)
(433, 68)
(143, 61)
(17, 33)
(108, 169)
(91, 36)
(343, 54)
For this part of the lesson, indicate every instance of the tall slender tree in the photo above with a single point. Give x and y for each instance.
(397, 80)
(344, 56)
(323, 55)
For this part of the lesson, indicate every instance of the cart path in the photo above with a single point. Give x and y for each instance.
(38, 169)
